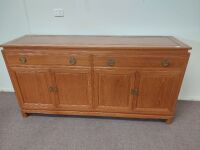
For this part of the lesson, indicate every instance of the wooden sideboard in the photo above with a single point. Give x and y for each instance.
(119, 76)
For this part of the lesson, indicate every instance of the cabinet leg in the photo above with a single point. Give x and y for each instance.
(24, 114)
(169, 121)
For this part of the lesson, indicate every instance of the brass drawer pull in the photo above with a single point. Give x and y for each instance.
(22, 59)
(165, 63)
(72, 60)
(135, 92)
(110, 62)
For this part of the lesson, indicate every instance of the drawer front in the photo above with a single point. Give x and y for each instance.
(140, 61)
(48, 59)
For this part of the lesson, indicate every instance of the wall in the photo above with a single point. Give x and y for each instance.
(180, 18)
(13, 23)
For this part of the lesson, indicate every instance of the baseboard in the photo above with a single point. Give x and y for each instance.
(190, 98)
(6, 90)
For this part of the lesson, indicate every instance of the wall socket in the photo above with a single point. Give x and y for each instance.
(58, 12)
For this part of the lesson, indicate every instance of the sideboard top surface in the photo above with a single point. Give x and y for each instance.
(82, 41)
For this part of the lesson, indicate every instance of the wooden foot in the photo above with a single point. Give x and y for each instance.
(169, 121)
(24, 114)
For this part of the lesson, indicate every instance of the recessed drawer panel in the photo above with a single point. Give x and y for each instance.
(139, 61)
(48, 59)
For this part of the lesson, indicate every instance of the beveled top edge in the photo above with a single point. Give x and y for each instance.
(91, 41)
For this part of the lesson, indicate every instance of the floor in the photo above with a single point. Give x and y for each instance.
(42, 132)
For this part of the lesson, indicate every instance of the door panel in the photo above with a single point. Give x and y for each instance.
(113, 90)
(158, 91)
(74, 88)
(33, 84)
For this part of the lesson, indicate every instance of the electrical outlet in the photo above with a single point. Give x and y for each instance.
(58, 12)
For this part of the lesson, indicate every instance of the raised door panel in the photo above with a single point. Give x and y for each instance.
(33, 85)
(158, 91)
(74, 88)
(113, 90)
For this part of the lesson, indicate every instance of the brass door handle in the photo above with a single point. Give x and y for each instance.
(72, 60)
(135, 92)
(53, 89)
(22, 59)
(165, 63)
(110, 62)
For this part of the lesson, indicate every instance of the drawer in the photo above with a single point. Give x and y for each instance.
(140, 61)
(48, 59)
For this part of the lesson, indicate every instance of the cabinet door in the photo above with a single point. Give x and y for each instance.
(74, 88)
(113, 90)
(33, 84)
(158, 91)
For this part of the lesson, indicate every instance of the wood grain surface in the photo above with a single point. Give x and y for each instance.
(119, 76)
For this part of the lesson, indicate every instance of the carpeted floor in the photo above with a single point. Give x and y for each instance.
(39, 132)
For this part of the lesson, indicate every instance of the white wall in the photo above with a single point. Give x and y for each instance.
(180, 18)
(13, 23)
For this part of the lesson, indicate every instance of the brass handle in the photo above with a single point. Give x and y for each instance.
(165, 63)
(135, 92)
(53, 89)
(22, 60)
(72, 60)
(110, 62)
